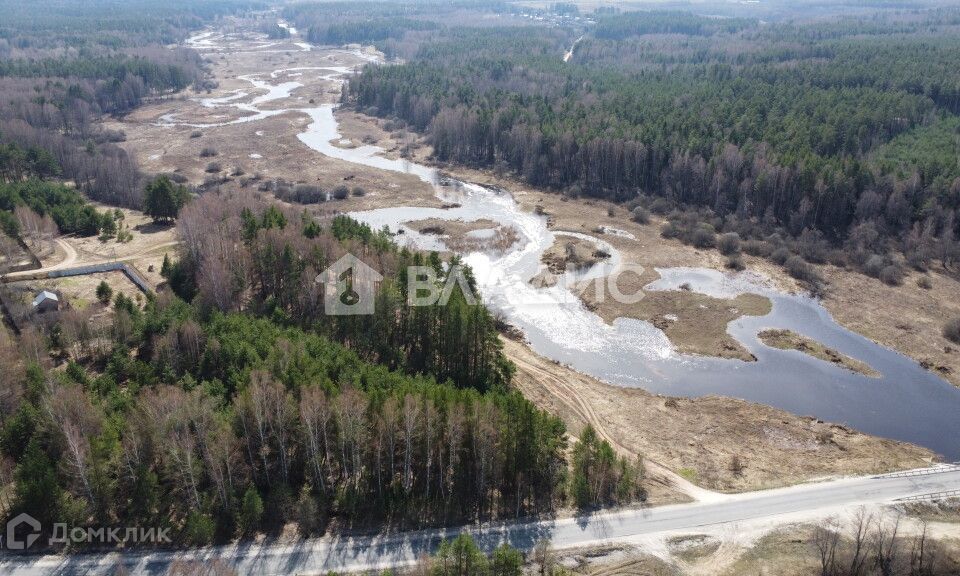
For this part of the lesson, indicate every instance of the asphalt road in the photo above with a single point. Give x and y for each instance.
(317, 556)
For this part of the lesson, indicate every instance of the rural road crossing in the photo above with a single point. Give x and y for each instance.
(363, 553)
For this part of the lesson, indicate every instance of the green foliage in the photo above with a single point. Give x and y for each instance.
(104, 292)
(932, 150)
(598, 477)
(460, 557)
(198, 529)
(163, 199)
(17, 162)
(37, 491)
(18, 430)
(814, 125)
(68, 209)
(251, 511)
(623, 26)
(506, 561)
(368, 31)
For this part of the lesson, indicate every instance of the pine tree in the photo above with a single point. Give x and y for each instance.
(163, 199)
(251, 511)
(104, 292)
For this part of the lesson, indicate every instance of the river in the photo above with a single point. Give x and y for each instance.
(905, 403)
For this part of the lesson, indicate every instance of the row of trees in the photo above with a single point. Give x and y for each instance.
(868, 544)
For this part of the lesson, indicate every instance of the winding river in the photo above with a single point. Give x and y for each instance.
(906, 402)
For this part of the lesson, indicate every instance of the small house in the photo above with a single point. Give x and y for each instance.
(46, 301)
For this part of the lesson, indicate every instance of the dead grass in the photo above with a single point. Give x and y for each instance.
(786, 552)
(695, 323)
(269, 147)
(701, 436)
(693, 548)
(79, 291)
(906, 318)
(789, 340)
(571, 253)
(456, 234)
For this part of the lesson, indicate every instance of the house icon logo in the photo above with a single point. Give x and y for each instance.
(22, 531)
(349, 287)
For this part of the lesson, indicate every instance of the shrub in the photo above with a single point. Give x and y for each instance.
(358, 191)
(208, 152)
(641, 215)
(661, 206)
(251, 511)
(951, 331)
(199, 529)
(892, 275)
(874, 265)
(757, 248)
(812, 246)
(837, 258)
(924, 283)
(729, 243)
(104, 292)
(781, 255)
(341, 192)
(703, 237)
(735, 262)
(214, 167)
(611, 212)
(670, 230)
(196, 134)
(799, 269)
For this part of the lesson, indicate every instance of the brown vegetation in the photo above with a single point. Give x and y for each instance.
(571, 253)
(456, 234)
(695, 323)
(698, 437)
(789, 340)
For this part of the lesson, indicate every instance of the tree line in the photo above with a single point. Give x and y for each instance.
(810, 137)
(32, 206)
(64, 68)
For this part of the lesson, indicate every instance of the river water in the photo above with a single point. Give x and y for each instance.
(906, 402)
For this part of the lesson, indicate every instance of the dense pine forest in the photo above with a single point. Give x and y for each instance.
(64, 65)
(834, 140)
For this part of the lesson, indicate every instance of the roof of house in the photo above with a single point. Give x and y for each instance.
(44, 296)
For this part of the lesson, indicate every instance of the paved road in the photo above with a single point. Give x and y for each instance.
(321, 555)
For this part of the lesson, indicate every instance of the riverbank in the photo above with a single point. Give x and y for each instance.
(634, 242)
(906, 318)
(722, 444)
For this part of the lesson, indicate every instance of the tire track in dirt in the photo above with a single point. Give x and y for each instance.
(537, 369)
